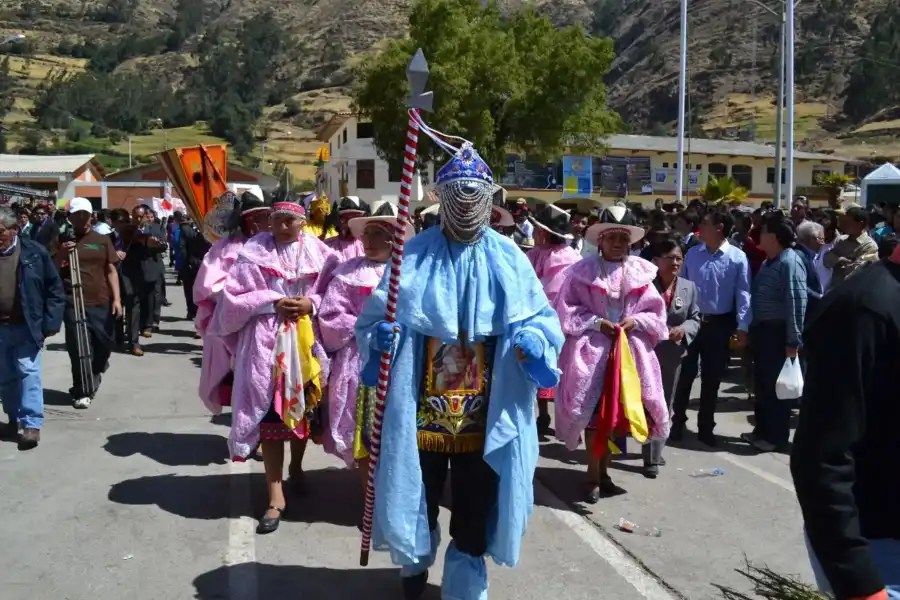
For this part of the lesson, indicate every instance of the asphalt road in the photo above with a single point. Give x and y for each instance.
(134, 499)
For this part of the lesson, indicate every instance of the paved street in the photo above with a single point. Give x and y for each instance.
(134, 499)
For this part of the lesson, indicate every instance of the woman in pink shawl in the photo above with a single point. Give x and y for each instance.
(551, 257)
(273, 288)
(602, 296)
(249, 216)
(352, 284)
(345, 245)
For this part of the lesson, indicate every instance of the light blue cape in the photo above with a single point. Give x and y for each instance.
(485, 289)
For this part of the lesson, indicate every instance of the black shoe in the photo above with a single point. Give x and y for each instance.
(650, 471)
(269, 524)
(609, 489)
(414, 587)
(591, 493)
(29, 438)
(677, 433)
(708, 438)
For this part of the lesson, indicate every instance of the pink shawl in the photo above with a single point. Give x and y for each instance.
(217, 356)
(583, 298)
(345, 249)
(351, 286)
(211, 277)
(549, 263)
(245, 314)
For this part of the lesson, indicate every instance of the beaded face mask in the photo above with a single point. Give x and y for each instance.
(465, 188)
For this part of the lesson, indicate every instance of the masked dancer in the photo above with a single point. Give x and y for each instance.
(477, 339)
(318, 224)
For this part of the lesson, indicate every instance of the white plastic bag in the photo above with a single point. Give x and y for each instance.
(790, 381)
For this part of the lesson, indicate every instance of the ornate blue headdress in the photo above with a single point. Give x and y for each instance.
(465, 188)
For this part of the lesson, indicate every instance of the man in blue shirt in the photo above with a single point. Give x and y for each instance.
(722, 276)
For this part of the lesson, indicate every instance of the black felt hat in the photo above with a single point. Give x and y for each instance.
(554, 220)
(352, 205)
(251, 203)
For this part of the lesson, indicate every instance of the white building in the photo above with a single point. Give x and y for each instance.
(353, 167)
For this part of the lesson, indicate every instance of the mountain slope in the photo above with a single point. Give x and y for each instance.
(732, 56)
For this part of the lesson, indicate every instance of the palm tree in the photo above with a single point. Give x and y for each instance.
(723, 190)
(833, 184)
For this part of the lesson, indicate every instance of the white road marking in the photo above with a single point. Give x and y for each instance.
(241, 556)
(627, 568)
(782, 483)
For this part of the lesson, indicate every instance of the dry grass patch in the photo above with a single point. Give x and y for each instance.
(157, 139)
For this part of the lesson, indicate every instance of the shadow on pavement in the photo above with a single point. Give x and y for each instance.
(202, 497)
(333, 496)
(729, 444)
(197, 361)
(567, 485)
(179, 333)
(275, 582)
(55, 348)
(170, 348)
(558, 451)
(57, 398)
(169, 319)
(172, 449)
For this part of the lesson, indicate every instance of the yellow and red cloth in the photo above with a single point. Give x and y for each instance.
(621, 409)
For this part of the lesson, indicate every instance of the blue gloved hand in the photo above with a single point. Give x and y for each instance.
(530, 346)
(384, 336)
(530, 350)
(369, 375)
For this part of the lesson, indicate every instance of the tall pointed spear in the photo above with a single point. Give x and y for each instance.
(419, 99)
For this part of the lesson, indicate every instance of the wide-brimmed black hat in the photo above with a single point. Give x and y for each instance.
(554, 220)
(251, 203)
(247, 204)
(353, 206)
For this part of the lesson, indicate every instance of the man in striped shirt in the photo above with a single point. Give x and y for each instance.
(778, 301)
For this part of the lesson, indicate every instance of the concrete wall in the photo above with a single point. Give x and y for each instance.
(342, 167)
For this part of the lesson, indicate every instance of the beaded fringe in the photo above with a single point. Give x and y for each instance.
(432, 441)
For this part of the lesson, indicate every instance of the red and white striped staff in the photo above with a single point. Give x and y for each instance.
(419, 99)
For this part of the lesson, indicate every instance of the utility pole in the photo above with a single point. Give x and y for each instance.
(785, 56)
(682, 93)
(753, 77)
(779, 118)
(789, 92)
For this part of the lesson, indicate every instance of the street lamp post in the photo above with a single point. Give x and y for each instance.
(785, 57)
(779, 125)
(789, 93)
(682, 92)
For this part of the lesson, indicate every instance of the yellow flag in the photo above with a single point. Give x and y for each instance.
(631, 393)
